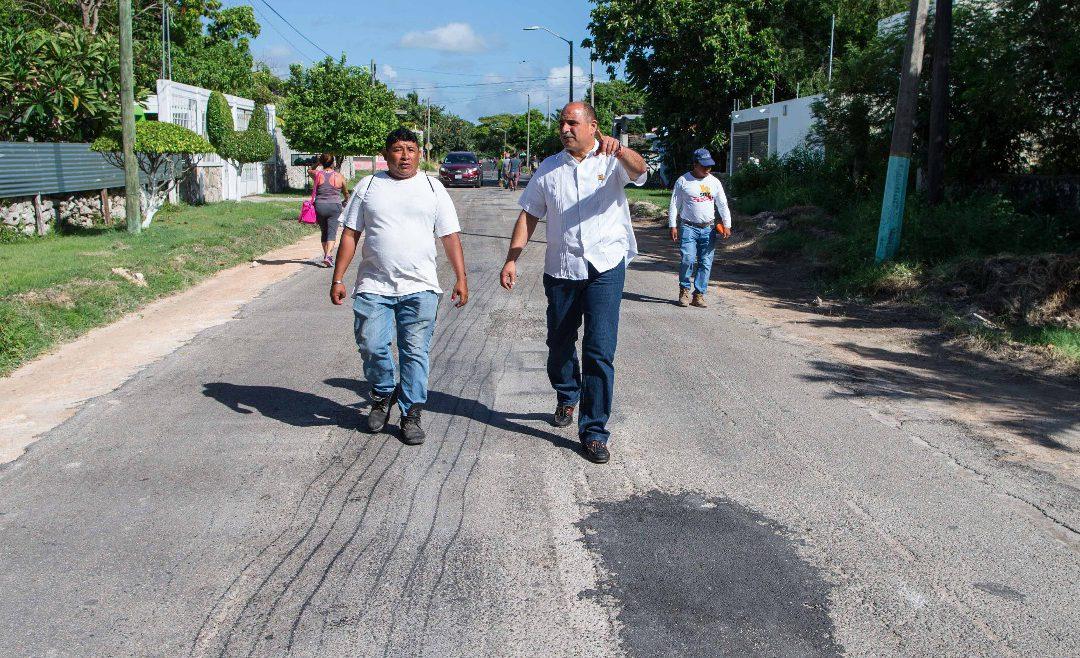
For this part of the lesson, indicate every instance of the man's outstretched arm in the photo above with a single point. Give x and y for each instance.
(523, 230)
(452, 246)
(346, 249)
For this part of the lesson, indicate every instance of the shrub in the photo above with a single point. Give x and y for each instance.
(219, 120)
(243, 146)
(163, 151)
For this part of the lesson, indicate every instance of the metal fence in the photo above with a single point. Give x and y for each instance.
(29, 168)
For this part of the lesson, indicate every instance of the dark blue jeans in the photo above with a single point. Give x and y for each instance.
(590, 383)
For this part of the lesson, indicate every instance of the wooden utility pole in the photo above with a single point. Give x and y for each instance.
(892, 204)
(939, 103)
(127, 121)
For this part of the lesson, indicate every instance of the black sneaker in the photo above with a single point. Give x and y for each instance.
(564, 415)
(597, 452)
(380, 410)
(411, 432)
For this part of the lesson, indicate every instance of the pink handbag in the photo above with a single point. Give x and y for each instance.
(307, 211)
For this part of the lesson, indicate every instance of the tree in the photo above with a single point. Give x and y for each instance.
(682, 52)
(219, 119)
(165, 151)
(332, 107)
(614, 98)
(448, 131)
(58, 86)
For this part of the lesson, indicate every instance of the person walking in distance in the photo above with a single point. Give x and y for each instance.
(331, 190)
(514, 169)
(589, 243)
(697, 198)
(397, 289)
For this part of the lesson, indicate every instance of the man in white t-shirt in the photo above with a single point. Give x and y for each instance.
(589, 243)
(397, 288)
(697, 198)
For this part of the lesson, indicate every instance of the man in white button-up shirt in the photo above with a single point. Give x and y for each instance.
(589, 243)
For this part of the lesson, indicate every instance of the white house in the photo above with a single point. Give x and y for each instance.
(773, 129)
(215, 179)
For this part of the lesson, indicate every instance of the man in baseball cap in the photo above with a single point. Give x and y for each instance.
(697, 198)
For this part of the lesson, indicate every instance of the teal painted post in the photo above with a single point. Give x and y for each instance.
(892, 202)
(892, 207)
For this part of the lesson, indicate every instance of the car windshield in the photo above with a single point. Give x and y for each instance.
(460, 158)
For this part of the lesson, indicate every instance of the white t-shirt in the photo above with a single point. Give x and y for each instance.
(588, 218)
(399, 220)
(698, 201)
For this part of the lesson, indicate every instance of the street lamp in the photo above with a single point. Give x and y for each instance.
(569, 43)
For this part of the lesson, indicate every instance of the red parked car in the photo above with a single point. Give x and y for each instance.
(461, 168)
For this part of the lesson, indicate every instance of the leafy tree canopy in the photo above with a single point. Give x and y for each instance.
(333, 107)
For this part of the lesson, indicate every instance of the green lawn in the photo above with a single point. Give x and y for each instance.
(55, 288)
(659, 197)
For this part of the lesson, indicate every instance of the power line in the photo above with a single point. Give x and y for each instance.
(286, 21)
(282, 35)
(471, 84)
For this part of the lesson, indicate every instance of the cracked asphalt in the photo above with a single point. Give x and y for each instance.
(224, 501)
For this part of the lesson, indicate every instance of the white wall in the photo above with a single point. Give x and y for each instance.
(794, 120)
(186, 105)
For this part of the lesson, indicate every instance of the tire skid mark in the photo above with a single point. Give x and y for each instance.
(299, 542)
(308, 489)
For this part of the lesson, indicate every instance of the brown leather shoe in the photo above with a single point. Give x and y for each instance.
(684, 296)
(699, 300)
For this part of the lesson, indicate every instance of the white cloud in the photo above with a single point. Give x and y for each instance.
(558, 82)
(452, 38)
(386, 72)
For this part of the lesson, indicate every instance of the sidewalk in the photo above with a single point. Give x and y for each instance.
(47, 391)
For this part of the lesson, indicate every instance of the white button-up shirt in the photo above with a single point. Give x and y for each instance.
(588, 218)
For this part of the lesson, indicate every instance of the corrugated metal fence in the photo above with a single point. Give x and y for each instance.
(29, 168)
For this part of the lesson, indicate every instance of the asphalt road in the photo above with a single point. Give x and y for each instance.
(224, 501)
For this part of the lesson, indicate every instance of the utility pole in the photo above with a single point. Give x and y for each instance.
(592, 82)
(373, 72)
(427, 132)
(832, 38)
(528, 128)
(127, 121)
(939, 103)
(892, 203)
(547, 115)
(571, 72)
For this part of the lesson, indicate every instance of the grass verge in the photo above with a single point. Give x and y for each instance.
(659, 197)
(56, 288)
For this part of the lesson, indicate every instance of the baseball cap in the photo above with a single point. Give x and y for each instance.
(704, 158)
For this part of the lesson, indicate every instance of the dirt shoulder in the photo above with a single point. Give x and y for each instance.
(897, 359)
(47, 391)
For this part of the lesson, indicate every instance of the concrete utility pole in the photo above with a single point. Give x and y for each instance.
(427, 132)
(373, 72)
(528, 128)
(127, 121)
(592, 81)
(939, 103)
(892, 204)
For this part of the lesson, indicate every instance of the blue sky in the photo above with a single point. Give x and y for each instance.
(471, 57)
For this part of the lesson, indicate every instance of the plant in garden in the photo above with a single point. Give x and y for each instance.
(219, 119)
(332, 107)
(165, 152)
(58, 86)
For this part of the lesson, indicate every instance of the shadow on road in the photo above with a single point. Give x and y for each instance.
(452, 405)
(1042, 408)
(286, 405)
(647, 299)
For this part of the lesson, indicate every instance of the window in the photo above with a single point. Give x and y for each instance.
(243, 118)
(750, 140)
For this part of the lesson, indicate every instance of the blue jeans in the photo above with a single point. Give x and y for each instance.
(698, 245)
(412, 318)
(592, 382)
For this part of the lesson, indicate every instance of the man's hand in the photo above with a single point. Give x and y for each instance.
(674, 234)
(338, 294)
(460, 296)
(724, 231)
(608, 145)
(509, 275)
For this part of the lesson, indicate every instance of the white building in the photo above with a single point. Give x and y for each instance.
(774, 129)
(215, 179)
